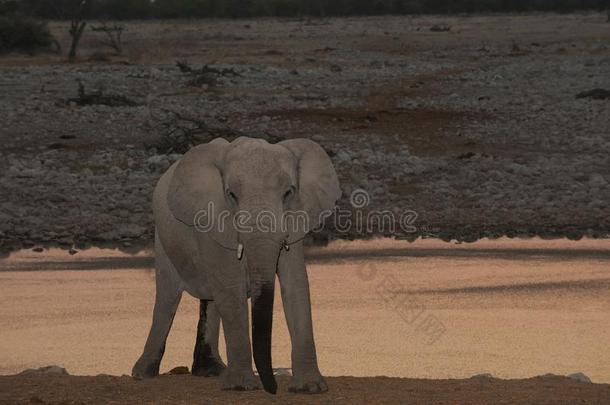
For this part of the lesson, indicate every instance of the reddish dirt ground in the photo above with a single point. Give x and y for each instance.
(424, 126)
(184, 389)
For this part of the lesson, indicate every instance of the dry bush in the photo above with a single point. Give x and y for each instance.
(24, 34)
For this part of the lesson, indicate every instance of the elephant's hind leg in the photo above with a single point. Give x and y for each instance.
(169, 292)
(206, 359)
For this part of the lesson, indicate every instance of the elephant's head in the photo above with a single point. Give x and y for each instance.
(252, 187)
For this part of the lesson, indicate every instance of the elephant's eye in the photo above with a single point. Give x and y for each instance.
(232, 197)
(289, 193)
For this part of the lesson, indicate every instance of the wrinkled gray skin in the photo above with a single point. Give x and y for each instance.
(247, 175)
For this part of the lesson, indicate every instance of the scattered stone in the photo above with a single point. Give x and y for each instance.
(466, 155)
(27, 244)
(282, 371)
(579, 377)
(440, 28)
(483, 375)
(57, 145)
(131, 231)
(343, 156)
(48, 370)
(595, 94)
(318, 138)
(180, 370)
(597, 180)
(158, 163)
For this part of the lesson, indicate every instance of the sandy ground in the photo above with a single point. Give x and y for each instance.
(512, 308)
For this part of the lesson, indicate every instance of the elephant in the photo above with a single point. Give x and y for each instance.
(206, 358)
(217, 237)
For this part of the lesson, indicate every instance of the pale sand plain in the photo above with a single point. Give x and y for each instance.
(429, 309)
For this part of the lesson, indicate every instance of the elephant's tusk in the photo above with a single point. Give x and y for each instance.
(240, 251)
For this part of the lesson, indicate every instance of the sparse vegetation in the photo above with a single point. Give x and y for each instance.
(24, 34)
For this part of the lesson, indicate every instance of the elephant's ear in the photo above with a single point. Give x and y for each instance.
(196, 191)
(318, 188)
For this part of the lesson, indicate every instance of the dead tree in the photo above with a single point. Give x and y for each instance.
(114, 35)
(77, 27)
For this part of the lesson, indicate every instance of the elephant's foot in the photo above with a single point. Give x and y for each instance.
(145, 368)
(208, 367)
(309, 383)
(239, 380)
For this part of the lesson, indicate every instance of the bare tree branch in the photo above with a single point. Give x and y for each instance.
(77, 27)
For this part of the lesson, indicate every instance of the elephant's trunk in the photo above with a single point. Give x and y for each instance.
(262, 264)
(262, 320)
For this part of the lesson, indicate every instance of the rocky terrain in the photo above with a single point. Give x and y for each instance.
(477, 129)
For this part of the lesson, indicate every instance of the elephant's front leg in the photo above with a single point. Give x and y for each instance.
(206, 359)
(231, 301)
(169, 292)
(306, 377)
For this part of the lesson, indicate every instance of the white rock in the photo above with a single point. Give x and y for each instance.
(282, 371)
(343, 156)
(483, 375)
(579, 377)
(48, 370)
(597, 180)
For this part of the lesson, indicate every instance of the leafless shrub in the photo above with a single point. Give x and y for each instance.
(205, 75)
(97, 97)
(114, 35)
